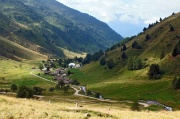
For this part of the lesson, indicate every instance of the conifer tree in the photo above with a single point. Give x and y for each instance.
(171, 28)
(136, 45)
(124, 47)
(123, 56)
(154, 71)
(110, 63)
(103, 61)
(144, 29)
(176, 83)
(176, 50)
(147, 37)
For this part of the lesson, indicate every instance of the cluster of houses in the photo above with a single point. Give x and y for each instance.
(59, 75)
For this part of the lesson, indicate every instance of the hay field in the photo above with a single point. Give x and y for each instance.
(13, 108)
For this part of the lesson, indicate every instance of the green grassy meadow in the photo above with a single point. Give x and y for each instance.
(19, 74)
(127, 85)
(13, 72)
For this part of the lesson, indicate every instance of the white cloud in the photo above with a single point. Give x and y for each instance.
(125, 10)
(129, 11)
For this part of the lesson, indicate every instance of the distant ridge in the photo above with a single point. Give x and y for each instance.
(50, 24)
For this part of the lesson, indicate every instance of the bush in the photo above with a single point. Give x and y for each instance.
(97, 95)
(13, 87)
(29, 93)
(103, 61)
(123, 47)
(135, 106)
(51, 89)
(57, 87)
(176, 50)
(176, 83)
(69, 73)
(66, 88)
(124, 56)
(61, 83)
(154, 72)
(134, 63)
(24, 92)
(135, 45)
(171, 28)
(110, 63)
(75, 82)
(41, 66)
(37, 90)
(147, 37)
(88, 92)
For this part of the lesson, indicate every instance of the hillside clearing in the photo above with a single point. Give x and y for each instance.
(70, 54)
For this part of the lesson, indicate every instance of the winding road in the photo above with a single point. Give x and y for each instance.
(144, 103)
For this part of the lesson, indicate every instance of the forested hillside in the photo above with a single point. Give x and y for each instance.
(50, 25)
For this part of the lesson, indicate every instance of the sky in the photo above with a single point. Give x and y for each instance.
(126, 17)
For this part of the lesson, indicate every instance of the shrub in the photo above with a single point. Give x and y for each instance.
(51, 89)
(134, 63)
(124, 47)
(176, 83)
(110, 63)
(61, 83)
(24, 92)
(171, 28)
(69, 73)
(147, 37)
(41, 66)
(13, 87)
(97, 95)
(88, 92)
(103, 61)
(37, 90)
(75, 82)
(66, 88)
(135, 45)
(57, 87)
(124, 56)
(29, 93)
(176, 50)
(135, 106)
(154, 72)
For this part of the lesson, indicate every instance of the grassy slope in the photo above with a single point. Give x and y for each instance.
(13, 72)
(71, 54)
(20, 52)
(18, 73)
(20, 108)
(119, 83)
